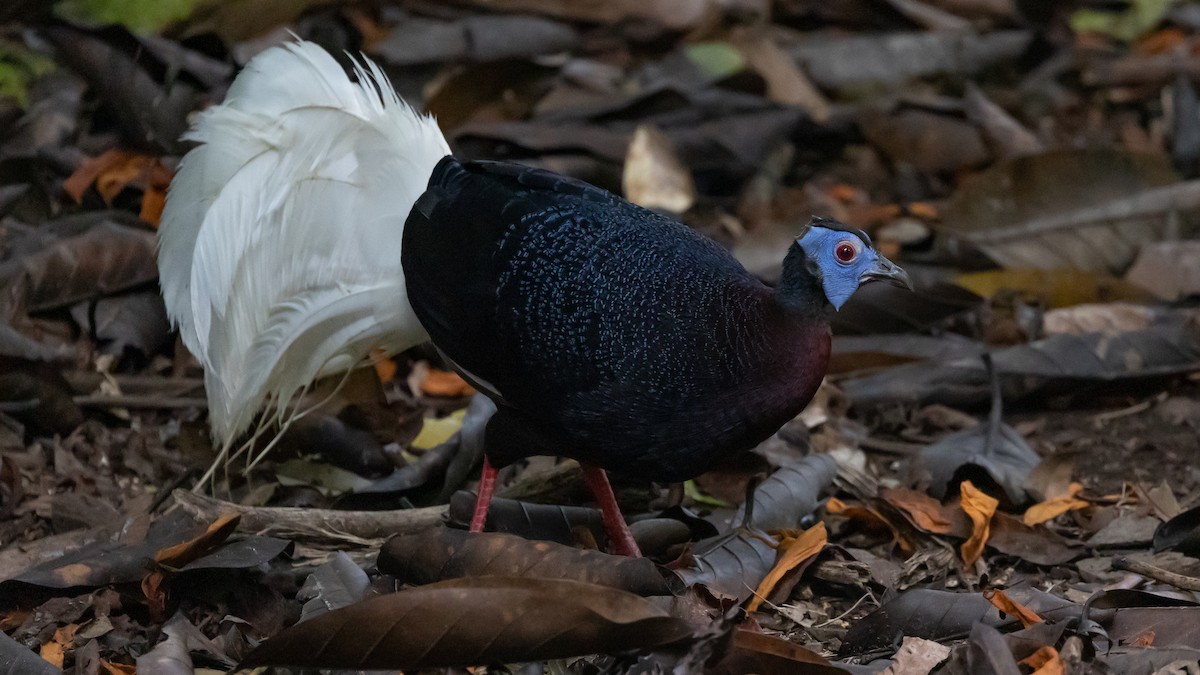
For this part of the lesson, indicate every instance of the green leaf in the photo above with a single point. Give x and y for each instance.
(719, 59)
(1140, 17)
(691, 490)
(18, 68)
(139, 16)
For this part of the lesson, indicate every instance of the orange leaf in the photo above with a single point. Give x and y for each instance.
(1144, 640)
(1052, 508)
(1044, 661)
(118, 668)
(53, 652)
(979, 507)
(156, 595)
(1002, 602)
(116, 169)
(182, 554)
(835, 506)
(385, 367)
(445, 383)
(793, 552)
(924, 511)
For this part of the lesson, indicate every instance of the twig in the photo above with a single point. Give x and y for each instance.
(1131, 410)
(139, 401)
(1156, 573)
(319, 524)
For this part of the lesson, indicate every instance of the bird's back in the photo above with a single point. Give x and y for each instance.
(623, 337)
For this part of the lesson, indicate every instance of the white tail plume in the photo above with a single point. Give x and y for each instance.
(280, 243)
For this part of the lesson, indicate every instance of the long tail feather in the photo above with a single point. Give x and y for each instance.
(280, 243)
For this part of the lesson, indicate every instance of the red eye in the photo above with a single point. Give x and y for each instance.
(845, 252)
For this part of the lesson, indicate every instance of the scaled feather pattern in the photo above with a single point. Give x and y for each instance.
(280, 247)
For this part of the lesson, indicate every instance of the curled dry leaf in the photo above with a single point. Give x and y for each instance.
(926, 513)
(793, 552)
(475, 621)
(917, 656)
(547, 522)
(442, 553)
(654, 177)
(979, 507)
(1054, 507)
(1007, 605)
(1045, 661)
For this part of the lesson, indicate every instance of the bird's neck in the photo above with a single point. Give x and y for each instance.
(800, 294)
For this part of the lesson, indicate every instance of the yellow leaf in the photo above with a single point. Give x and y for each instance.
(1002, 602)
(793, 552)
(436, 431)
(1057, 288)
(979, 507)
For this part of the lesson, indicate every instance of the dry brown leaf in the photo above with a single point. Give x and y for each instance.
(979, 507)
(795, 550)
(1002, 602)
(1052, 508)
(476, 621)
(924, 511)
(118, 668)
(916, 656)
(1044, 661)
(445, 383)
(1144, 640)
(654, 176)
(53, 652)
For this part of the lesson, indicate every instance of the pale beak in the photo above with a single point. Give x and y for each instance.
(886, 270)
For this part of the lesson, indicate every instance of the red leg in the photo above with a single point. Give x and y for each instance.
(619, 537)
(487, 485)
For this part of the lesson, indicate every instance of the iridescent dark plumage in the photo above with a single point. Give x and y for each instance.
(606, 332)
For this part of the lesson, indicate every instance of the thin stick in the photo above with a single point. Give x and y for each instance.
(319, 524)
(1156, 573)
(139, 401)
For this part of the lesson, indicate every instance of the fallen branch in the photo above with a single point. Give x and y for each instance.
(1156, 573)
(304, 523)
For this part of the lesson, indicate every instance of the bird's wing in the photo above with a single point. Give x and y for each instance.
(281, 240)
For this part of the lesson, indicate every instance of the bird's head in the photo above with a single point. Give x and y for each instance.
(841, 259)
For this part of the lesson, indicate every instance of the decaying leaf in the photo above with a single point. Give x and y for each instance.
(473, 621)
(1058, 287)
(338, 583)
(1010, 607)
(1168, 269)
(654, 177)
(793, 551)
(548, 522)
(1087, 209)
(753, 652)
(442, 553)
(789, 494)
(1056, 506)
(979, 507)
(916, 656)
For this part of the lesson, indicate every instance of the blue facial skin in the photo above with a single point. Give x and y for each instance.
(845, 260)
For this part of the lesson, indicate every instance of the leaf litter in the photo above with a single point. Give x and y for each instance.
(1032, 167)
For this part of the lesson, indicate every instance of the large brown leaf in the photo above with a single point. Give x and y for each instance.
(442, 553)
(474, 621)
(1087, 209)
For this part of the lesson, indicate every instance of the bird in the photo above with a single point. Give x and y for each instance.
(321, 221)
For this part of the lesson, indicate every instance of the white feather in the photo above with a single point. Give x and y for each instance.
(279, 250)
